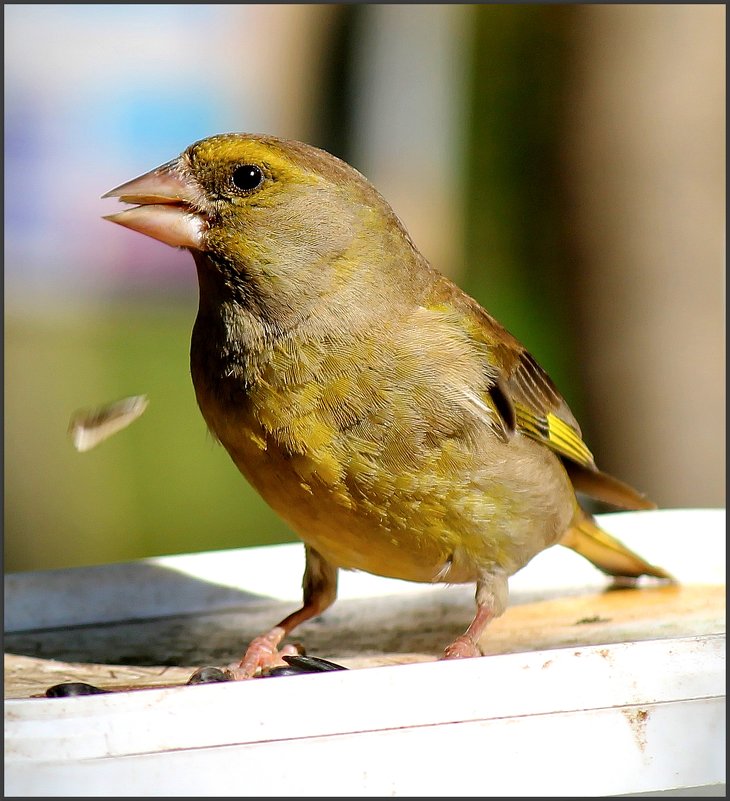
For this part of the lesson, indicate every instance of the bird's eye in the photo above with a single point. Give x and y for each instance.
(247, 177)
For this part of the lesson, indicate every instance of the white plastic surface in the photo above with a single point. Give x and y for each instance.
(600, 720)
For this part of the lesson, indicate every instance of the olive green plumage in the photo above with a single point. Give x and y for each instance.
(394, 424)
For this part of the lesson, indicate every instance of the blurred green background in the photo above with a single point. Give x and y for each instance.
(565, 164)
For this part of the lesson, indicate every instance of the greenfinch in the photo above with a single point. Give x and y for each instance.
(392, 423)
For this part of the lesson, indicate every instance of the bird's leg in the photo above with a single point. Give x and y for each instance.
(465, 645)
(491, 598)
(320, 590)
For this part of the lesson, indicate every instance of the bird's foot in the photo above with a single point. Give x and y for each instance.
(262, 654)
(463, 647)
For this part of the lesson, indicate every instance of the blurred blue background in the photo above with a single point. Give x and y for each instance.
(565, 164)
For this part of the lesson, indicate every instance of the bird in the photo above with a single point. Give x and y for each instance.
(389, 419)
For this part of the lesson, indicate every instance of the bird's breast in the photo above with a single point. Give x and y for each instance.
(351, 462)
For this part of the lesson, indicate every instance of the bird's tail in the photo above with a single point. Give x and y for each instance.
(606, 552)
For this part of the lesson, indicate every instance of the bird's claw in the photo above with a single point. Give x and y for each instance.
(262, 654)
(463, 647)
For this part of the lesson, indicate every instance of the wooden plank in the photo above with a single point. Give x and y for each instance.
(586, 691)
(396, 630)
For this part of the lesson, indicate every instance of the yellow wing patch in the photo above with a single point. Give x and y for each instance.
(555, 433)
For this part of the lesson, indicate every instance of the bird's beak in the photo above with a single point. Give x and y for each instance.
(169, 206)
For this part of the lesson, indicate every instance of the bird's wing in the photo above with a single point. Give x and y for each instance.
(523, 395)
(540, 411)
(515, 393)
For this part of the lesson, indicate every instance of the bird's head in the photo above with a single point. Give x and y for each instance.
(281, 222)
